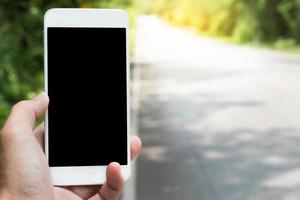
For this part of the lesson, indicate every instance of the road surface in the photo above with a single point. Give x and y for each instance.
(218, 121)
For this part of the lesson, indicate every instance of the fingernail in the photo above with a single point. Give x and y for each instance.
(39, 96)
(115, 164)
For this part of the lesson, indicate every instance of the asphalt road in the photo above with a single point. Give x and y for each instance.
(218, 121)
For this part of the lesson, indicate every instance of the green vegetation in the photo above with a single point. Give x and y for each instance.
(275, 23)
(21, 45)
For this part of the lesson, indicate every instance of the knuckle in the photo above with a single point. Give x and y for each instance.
(21, 105)
(24, 106)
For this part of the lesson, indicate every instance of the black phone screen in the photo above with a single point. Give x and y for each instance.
(87, 114)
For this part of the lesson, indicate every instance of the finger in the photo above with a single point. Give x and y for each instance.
(114, 184)
(135, 146)
(39, 134)
(61, 193)
(85, 191)
(24, 114)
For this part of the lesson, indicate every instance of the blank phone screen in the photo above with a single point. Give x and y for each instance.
(87, 114)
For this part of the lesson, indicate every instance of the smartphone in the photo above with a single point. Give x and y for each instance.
(87, 80)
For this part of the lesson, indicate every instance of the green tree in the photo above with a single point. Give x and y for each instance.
(243, 20)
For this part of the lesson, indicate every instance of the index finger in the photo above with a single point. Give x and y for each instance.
(24, 114)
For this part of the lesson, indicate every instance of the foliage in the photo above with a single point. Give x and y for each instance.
(242, 20)
(21, 45)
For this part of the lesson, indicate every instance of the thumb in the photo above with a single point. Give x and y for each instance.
(24, 114)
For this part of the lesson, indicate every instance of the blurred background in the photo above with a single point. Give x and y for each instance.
(215, 87)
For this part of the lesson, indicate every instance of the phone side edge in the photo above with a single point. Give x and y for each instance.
(46, 84)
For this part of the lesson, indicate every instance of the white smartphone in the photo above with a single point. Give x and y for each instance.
(87, 80)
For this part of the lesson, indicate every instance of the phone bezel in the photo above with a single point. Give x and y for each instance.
(75, 17)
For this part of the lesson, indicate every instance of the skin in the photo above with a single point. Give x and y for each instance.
(24, 171)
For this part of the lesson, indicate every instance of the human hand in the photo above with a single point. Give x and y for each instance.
(24, 171)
